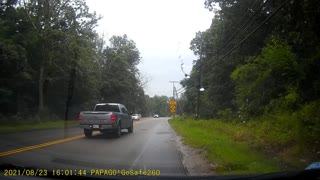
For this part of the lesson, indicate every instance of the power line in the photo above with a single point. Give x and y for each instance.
(223, 47)
(182, 69)
(181, 92)
(240, 21)
(178, 103)
(180, 88)
(242, 18)
(250, 34)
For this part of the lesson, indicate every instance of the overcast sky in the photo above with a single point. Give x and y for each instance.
(162, 31)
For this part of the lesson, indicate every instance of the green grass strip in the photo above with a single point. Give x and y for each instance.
(229, 156)
(36, 126)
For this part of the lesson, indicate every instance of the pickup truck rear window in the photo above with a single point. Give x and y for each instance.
(111, 108)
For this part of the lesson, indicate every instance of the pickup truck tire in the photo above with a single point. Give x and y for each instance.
(130, 129)
(118, 131)
(87, 133)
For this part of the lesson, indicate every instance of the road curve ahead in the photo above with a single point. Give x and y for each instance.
(151, 146)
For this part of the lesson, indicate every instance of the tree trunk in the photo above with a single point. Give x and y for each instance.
(66, 115)
(19, 105)
(71, 85)
(40, 89)
(70, 91)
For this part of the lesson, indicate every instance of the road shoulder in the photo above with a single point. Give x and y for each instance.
(193, 160)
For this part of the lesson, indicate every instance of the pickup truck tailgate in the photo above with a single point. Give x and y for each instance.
(100, 117)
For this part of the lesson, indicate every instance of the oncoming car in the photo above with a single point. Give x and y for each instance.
(135, 117)
(156, 115)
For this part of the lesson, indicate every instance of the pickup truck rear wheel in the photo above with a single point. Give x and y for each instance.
(130, 129)
(88, 133)
(118, 131)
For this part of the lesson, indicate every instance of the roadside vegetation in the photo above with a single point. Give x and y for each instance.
(259, 68)
(54, 64)
(34, 124)
(257, 146)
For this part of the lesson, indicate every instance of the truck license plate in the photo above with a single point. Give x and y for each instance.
(95, 126)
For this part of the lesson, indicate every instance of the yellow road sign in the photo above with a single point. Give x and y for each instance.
(173, 102)
(173, 108)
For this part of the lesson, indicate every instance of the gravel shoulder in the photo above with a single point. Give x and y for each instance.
(194, 160)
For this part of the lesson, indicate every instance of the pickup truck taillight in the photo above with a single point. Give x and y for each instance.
(113, 117)
(79, 117)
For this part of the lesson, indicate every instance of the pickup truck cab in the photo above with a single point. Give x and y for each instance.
(106, 117)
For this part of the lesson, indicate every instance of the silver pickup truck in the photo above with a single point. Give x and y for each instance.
(106, 117)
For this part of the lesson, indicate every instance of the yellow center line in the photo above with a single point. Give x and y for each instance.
(27, 148)
(39, 145)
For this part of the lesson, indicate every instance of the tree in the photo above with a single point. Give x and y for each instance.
(62, 26)
(269, 81)
(55, 64)
(120, 75)
(16, 74)
(231, 41)
(160, 105)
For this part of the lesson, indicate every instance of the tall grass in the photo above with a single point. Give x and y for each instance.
(228, 156)
(261, 145)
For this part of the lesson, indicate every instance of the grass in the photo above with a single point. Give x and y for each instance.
(35, 126)
(235, 148)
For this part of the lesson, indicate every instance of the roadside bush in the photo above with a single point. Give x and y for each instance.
(18, 120)
(310, 120)
(3, 119)
(226, 114)
(275, 132)
(292, 139)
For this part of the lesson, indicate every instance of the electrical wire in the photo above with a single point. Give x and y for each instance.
(234, 35)
(250, 34)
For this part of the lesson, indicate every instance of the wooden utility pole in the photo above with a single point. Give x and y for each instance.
(173, 101)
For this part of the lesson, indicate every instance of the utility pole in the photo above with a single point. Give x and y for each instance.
(176, 92)
(199, 82)
(173, 88)
(173, 93)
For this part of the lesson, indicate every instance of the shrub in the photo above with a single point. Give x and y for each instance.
(310, 119)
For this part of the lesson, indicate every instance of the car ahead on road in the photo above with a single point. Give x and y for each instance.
(106, 117)
(136, 116)
(156, 115)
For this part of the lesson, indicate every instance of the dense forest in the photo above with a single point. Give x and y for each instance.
(54, 64)
(259, 60)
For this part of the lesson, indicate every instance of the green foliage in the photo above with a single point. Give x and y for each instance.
(53, 60)
(119, 75)
(279, 136)
(291, 100)
(32, 125)
(273, 75)
(227, 155)
(158, 105)
(310, 119)
(226, 114)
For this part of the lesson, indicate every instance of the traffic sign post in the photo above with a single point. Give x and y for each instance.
(173, 102)
(173, 107)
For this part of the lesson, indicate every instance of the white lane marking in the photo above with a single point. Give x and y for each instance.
(141, 153)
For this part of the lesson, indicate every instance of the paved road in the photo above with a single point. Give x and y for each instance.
(150, 147)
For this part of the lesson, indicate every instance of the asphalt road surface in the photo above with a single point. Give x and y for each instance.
(151, 146)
